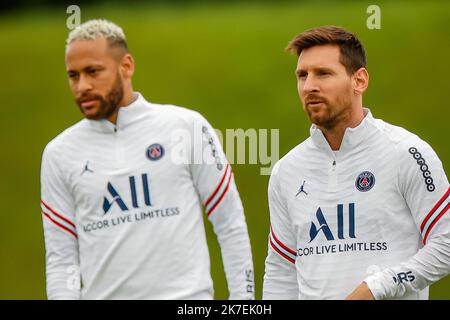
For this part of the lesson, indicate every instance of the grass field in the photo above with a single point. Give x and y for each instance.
(227, 62)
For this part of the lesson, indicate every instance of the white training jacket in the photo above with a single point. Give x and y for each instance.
(122, 208)
(375, 211)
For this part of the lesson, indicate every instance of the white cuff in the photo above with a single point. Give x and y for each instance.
(375, 286)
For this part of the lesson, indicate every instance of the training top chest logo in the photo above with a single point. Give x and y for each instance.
(155, 152)
(86, 169)
(302, 189)
(365, 181)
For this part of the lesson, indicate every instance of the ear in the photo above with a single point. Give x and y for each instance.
(127, 66)
(360, 81)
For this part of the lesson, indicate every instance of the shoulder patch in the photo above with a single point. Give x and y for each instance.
(214, 152)
(424, 168)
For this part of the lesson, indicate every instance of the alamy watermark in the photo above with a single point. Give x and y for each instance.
(74, 19)
(374, 20)
(73, 281)
(204, 145)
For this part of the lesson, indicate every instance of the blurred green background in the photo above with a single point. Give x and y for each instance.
(225, 60)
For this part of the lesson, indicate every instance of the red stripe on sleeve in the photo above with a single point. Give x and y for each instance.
(218, 187)
(281, 243)
(433, 210)
(281, 253)
(221, 197)
(59, 225)
(58, 215)
(435, 221)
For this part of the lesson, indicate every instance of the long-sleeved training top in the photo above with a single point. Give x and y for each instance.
(375, 211)
(122, 208)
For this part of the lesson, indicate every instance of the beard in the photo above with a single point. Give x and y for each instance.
(107, 105)
(328, 115)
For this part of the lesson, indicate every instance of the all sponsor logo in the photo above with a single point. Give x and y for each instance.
(339, 237)
(321, 226)
(135, 205)
(115, 198)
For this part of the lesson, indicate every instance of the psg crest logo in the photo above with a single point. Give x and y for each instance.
(155, 152)
(365, 181)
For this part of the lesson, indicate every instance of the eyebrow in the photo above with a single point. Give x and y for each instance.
(93, 66)
(318, 69)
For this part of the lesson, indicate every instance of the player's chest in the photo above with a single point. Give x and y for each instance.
(337, 200)
(125, 170)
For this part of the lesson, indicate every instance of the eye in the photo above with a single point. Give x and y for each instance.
(323, 73)
(301, 75)
(72, 75)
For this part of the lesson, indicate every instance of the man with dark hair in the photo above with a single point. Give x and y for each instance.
(359, 209)
(123, 189)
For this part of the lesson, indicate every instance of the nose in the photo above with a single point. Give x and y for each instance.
(309, 85)
(84, 84)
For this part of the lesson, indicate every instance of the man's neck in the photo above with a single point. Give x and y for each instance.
(128, 99)
(335, 134)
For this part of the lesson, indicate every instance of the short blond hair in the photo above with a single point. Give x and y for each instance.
(98, 28)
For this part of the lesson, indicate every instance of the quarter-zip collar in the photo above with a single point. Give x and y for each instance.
(352, 136)
(126, 115)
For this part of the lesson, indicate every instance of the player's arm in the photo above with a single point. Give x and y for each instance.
(425, 188)
(280, 278)
(215, 185)
(61, 239)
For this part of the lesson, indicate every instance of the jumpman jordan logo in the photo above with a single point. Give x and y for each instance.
(302, 189)
(86, 169)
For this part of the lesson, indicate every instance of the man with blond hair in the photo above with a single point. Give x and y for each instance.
(360, 209)
(122, 198)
